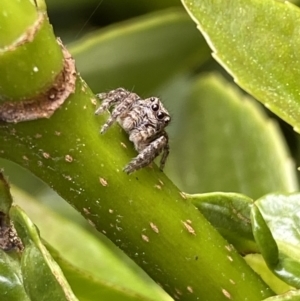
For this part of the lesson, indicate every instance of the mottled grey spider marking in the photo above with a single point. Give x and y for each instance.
(143, 119)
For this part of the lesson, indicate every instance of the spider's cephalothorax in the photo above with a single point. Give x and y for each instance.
(143, 119)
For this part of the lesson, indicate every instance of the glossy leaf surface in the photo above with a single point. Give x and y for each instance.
(257, 43)
(275, 220)
(229, 213)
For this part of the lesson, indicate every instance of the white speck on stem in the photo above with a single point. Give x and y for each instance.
(103, 182)
(226, 294)
(190, 289)
(68, 158)
(230, 258)
(145, 238)
(46, 155)
(189, 228)
(154, 227)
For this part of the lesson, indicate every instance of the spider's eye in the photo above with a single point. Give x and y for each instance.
(152, 99)
(155, 107)
(160, 115)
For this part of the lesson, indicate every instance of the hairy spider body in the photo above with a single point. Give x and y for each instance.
(143, 119)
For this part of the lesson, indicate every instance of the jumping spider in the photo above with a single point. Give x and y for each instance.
(143, 119)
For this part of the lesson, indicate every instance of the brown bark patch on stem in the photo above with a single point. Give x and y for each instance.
(9, 239)
(45, 104)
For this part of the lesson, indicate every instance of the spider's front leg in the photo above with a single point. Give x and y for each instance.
(111, 98)
(120, 99)
(166, 151)
(148, 154)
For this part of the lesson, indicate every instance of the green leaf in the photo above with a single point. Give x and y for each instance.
(257, 43)
(264, 238)
(275, 224)
(232, 144)
(87, 287)
(229, 213)
(130, 54)
(43, 279)
(258, 264)
(11, 282)
(289, 296)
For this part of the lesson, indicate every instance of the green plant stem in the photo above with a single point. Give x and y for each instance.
(144, 213)
(26, 47)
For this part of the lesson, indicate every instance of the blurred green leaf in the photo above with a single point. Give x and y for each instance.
(232, 145)
(87, 287)
(275, 222)
(112, 5)
(130, 54)
(73, 18)
(257, 42)
(66, 4)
